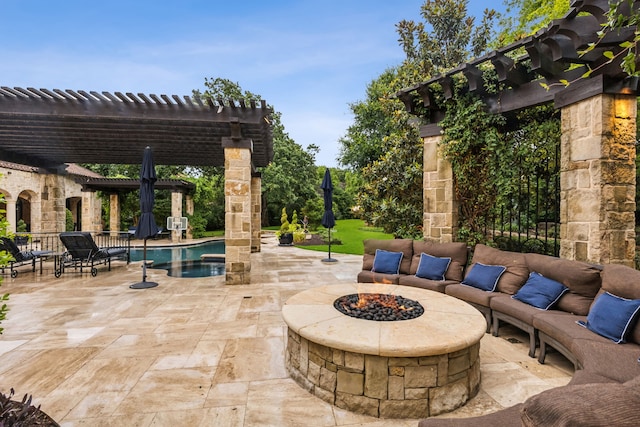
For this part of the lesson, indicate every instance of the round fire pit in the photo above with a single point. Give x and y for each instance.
(378, 307)
(412, 368)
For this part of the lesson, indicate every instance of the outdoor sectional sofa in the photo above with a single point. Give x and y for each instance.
(605, 388)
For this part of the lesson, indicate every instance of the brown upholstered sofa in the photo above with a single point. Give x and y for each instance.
(605, 389)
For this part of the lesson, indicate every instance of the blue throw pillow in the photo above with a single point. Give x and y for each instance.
(540, 292)
(484, 277)
(612, 317)
(387, 262)
(431, 267)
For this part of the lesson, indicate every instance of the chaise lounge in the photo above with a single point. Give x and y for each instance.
(19, 257)
(82, 251)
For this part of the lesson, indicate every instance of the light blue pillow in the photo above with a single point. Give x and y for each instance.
(387, 262)
(612, 317)
(484, 277)
(540, 292)
(431, 267)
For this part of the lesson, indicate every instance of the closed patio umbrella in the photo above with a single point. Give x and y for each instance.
(147, 224)
(328, 220)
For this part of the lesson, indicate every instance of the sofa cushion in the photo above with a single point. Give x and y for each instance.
(367, 276)
(540, 292)
(432, 285)
(600, 356)
(516, 273)
(612, 317)
(562, 326)
(625, 282)
(432, 267)
(601, 404)
(582, 279)
(471, 294)
(386, 262)
(457, 251)
(392, 245)
(505, 304)
(483, 276)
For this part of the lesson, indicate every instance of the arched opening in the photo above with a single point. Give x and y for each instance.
(23, 211)
(74, 221)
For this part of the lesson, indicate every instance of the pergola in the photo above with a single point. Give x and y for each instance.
(51, 128)
(598, 111)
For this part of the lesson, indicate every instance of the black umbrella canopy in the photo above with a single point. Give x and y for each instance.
(147, 225)
(328, 220)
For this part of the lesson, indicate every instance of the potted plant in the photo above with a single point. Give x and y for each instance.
(284, 235)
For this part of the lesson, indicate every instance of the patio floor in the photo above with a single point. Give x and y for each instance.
(195, 352)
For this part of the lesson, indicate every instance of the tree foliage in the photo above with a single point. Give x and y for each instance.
(383, 144)
(525, 17)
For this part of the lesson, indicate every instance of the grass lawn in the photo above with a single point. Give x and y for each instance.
(351, 232)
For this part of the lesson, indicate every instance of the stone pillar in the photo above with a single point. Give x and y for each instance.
(237, 206)
(176, 211)
(52, 205)
(114, 214)
(189, 210)
(440, 217)
(91, 212)
(597, 180)
(11, 214)
(256, 211)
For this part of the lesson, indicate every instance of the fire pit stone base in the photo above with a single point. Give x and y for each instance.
(385, 387)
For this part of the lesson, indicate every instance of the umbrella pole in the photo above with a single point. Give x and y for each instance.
(329, 259)
(144, 284)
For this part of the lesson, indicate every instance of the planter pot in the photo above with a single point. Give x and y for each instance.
(286, 239)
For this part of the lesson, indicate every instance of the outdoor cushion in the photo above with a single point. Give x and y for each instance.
(540, 292)
(582, 279)
(516, 273)
(432, 267)
(392, 245)
(623, 281)
(484, 277)
(612, 316)
(387, 262)
(600, 404)
(457, 251)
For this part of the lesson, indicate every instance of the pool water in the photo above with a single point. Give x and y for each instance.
(184, 261)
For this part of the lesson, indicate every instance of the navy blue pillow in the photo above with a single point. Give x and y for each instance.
(386, 262)
(484, 277)
(612, 317)
(540, 292)
(431, 267)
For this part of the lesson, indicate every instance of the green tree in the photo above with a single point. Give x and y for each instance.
(525, 17)
(390, 161)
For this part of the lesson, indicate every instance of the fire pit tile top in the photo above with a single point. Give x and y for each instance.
(447, 325)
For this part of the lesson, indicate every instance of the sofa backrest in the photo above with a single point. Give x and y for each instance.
(582, 279)
(393, 245)
(457, 251)
(624, 282)
(516, 273)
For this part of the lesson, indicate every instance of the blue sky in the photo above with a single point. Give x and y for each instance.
(308, 59)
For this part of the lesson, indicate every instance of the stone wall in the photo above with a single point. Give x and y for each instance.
(440, 207)
(385, 387)
(597, 180)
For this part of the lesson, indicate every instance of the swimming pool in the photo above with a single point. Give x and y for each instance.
(184, 261)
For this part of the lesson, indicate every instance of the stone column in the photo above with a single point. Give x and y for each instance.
(256, 211)
(52, 205)
(189, 210)
(91, 212)
(11, 214)
(176, 211)
(114, 214)
(440, 218)
(237, 206)
(597, 180)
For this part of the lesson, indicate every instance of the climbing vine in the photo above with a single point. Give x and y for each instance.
(474, 145)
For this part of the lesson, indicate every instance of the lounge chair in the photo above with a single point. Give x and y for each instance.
(82, 251)
(21, 257)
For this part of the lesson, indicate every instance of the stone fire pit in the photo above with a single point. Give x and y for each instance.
(399, 369)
